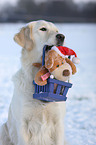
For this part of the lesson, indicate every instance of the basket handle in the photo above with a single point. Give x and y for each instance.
(43, 58)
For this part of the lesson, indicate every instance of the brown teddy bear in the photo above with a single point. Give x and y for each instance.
(55, 64)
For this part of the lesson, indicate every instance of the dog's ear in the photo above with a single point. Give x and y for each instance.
(20, 38)
(49, 59)
(72, 65)
(23, 38)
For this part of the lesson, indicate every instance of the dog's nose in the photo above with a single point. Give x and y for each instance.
(60, 37)
(66, 72)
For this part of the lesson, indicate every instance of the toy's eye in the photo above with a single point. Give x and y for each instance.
(57, 65)
(43, 29)
(62, 62)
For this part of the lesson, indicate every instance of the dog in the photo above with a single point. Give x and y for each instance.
(30, 121)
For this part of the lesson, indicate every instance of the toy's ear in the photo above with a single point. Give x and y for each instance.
(72, 65)
(49, 58)
(38, 79)
(38, 65)
(49, 63)
(23, 38)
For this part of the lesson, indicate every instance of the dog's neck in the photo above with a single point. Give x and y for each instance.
(27, 59)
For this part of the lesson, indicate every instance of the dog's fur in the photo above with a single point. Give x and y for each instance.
(30, 121)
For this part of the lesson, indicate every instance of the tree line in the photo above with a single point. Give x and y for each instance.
(56, 11)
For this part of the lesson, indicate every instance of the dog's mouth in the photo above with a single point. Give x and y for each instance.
(48, 47)
(59, 43)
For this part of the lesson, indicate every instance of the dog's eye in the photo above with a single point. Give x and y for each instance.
(43, 29)
(57, 65)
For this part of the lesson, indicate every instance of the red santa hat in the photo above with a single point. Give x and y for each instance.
(63, 51)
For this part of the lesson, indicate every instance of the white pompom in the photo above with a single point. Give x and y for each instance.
(51, 76)
(76, 60)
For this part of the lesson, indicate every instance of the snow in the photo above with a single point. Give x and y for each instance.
(80, 120)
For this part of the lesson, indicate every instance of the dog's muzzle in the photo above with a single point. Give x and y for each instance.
(60, 39)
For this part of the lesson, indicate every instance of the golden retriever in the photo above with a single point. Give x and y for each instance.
(30, 121)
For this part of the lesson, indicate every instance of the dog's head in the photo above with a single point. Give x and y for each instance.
(36, 34)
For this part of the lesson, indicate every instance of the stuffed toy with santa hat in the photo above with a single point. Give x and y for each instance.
(65, 51)
(57, 65)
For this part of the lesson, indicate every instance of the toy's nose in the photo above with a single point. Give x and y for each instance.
(66, 72)
(60, 37)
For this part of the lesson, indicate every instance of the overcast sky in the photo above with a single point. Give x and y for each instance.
(13, 2)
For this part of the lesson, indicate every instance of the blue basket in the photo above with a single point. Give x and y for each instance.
(47, 92)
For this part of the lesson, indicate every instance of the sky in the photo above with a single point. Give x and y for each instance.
(13, 2)
(77, 1)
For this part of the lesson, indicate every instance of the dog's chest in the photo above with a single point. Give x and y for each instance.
(41, 125)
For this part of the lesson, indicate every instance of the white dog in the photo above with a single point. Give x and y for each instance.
(30, 121)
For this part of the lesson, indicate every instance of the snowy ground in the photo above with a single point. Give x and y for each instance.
(81, 104)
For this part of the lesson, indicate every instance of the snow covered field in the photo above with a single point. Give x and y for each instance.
(80, 118)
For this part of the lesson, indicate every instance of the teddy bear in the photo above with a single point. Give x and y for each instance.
(56, 65)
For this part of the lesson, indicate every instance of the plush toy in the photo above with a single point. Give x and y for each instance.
(65, 51)
(57, 65)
